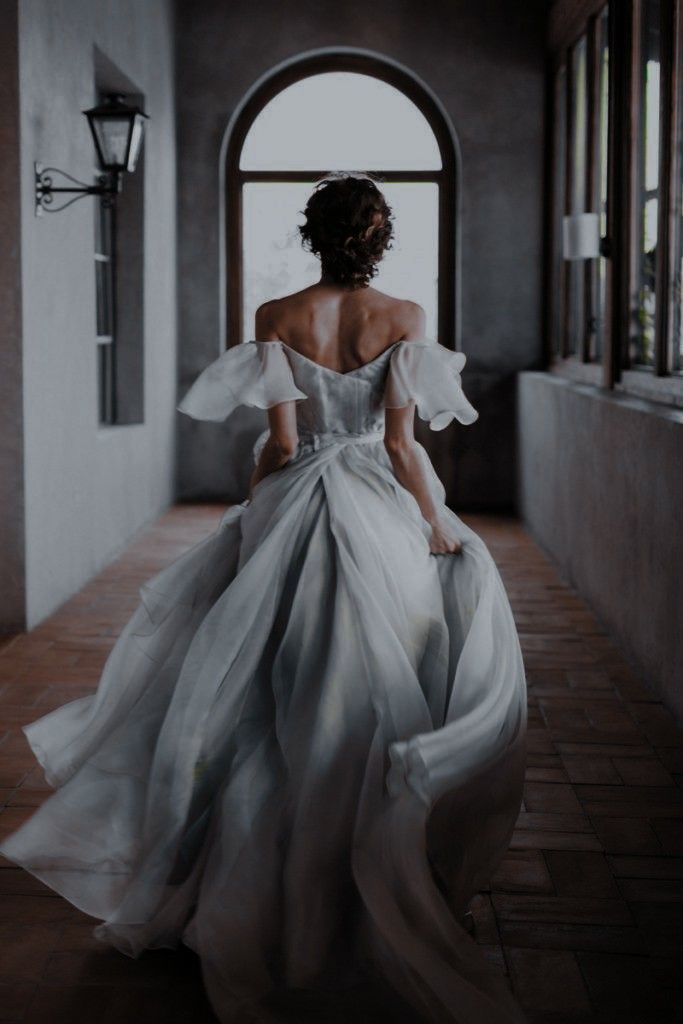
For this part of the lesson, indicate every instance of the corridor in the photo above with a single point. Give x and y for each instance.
(585, 913)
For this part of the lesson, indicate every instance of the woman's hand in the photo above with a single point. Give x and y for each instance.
(444, 539)
(279, 446)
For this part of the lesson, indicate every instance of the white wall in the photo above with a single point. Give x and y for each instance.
(87, 488)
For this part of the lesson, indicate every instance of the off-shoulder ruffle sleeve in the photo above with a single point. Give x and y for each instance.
(256, 373)
(429, 374)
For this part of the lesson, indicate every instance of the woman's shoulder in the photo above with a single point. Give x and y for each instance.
(412, 320)
(404, 317)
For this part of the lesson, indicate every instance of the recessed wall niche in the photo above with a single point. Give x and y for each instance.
(119, 277)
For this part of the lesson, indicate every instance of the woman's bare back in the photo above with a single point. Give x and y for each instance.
(339, 328)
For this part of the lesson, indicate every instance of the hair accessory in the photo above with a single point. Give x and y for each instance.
(340, 175)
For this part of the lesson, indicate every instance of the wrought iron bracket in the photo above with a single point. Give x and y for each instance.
(108, 186)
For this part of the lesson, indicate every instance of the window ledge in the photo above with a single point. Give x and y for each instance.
(661, 410)
(666, 390)
(574, 369)
(639, 383)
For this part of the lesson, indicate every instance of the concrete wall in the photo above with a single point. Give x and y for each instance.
(88, 489)
(485, 62)
(601, 486)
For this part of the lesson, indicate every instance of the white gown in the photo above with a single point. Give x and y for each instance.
(306, 750)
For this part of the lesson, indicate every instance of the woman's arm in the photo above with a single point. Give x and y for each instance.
(406, 456)
(281, 443)
(407, 461)
(284, 437)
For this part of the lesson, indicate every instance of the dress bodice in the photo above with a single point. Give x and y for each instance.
(267, 373)
(339, 403)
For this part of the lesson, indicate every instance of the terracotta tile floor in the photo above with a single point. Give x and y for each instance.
(585, 912)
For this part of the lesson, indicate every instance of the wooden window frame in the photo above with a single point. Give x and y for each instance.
(555, 266)
(594, 179)
(668, 167)
(447, 179)
(620, 244)
(582, 361)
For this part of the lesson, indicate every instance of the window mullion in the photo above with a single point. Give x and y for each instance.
(622, 144)
(557, 102)
(675, 305)
(634, 175)
(667, 191)
(565, 347)
(592, 184)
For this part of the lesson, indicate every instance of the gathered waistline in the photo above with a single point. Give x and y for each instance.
(324, 440)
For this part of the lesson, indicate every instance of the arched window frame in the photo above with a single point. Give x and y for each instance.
(447, 178)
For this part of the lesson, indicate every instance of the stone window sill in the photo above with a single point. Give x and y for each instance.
(666, 391)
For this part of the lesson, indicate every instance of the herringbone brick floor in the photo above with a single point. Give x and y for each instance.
(586, 911)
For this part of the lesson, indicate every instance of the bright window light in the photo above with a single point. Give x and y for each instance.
(338, 121)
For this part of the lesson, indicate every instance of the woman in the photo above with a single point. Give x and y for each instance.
(306, 750)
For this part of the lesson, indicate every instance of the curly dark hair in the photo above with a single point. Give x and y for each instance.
(349, 226)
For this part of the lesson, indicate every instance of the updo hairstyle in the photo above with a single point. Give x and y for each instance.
(349, 227)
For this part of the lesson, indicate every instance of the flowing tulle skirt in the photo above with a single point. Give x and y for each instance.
(305, 753)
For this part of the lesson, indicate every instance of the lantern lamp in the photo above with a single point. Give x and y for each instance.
(117, 129)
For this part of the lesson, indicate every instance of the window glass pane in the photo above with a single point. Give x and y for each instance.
(643, 335)
(602, 94)
(276, 264)
(676, 356)
(112, 134)
(559, 184)
(340, 121)
(579, 125)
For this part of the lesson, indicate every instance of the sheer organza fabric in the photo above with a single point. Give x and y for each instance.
(306, 749)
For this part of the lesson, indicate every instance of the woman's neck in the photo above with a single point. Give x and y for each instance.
(329, 282)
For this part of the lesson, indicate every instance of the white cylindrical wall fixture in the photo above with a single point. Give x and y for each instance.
(581, 236)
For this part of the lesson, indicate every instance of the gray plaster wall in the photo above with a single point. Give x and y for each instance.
(87, 488)
(601, 487)
(12, 568)
(485, 62)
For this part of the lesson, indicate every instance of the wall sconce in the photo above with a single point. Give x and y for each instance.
(581, 236)
(117, 130)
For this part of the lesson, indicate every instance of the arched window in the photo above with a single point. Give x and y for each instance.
(340, 111)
